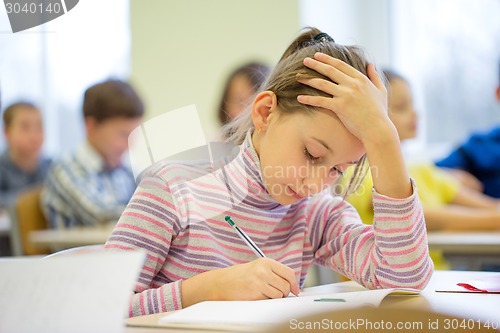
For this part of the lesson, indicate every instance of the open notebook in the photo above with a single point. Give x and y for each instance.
(249, 315)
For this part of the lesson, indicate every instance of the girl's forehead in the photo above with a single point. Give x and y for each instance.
(310, 120)
(323, 126)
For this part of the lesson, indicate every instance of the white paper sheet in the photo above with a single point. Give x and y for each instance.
(274, 311)
(72, 293)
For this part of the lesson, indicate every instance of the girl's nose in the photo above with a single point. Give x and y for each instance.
(318, 180)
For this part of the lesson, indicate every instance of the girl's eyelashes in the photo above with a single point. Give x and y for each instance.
(334, 169)
(337, 171)
(309, 155)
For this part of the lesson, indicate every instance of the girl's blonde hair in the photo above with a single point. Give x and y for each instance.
(283, 82)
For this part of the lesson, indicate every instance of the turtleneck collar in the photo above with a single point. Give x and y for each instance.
(244, 178)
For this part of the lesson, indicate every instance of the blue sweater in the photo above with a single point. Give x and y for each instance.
(480, 156)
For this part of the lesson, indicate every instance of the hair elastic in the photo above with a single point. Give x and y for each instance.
(323, 37)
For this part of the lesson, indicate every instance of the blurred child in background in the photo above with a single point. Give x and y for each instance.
(448, 205)
(479, 156)
(22, 164)
(93, 185)
(240, 87)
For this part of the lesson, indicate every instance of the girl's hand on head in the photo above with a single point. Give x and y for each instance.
(263, 278)
(360, 102)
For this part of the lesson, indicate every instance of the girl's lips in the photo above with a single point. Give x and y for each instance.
(295, 194)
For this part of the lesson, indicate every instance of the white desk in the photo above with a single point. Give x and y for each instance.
(484, 307)
(468, 250)
(66, 238)
(465, 242)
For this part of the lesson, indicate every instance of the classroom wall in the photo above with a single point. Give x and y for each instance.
(360, 22)
(182, 51)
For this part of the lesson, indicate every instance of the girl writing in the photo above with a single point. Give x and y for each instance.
(322, 109)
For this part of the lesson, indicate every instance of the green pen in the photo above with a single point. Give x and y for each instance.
(329, 300)
(245, 238)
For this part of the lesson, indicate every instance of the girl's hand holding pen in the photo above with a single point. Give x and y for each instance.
(259, 279)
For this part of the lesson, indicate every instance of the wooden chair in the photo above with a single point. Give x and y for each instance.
(27, 216)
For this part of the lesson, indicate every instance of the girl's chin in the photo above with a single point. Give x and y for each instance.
(287, 198)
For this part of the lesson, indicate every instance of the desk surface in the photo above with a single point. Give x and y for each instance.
(73, 237)
(447, 241)
(465, 242)
(470, 306)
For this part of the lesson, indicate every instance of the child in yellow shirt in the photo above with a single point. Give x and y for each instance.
(447, 204)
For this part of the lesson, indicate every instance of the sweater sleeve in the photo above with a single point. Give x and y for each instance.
(149, 223)
(391, 253)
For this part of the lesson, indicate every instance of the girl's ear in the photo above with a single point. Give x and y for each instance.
(498, 93)
(262, 107)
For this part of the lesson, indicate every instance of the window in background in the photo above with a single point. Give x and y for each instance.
(449, 50)
(53, 64)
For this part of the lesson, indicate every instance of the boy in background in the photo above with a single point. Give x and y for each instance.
(93, 185)
(21, 164)
(479, 156)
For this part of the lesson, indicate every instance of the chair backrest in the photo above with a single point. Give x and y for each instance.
(29, 217)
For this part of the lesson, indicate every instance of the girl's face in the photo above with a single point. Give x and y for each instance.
(302, 154)
(401, 110)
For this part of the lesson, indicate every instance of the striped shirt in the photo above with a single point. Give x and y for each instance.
(177, 216)
(81, 191)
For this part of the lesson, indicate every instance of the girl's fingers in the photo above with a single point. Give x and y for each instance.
(327, 70)
(272, 292)
(318, 101)
(341, 67)
(287, 275)
(375, 78)
(321, 84)
(280, 284)
(340, 72)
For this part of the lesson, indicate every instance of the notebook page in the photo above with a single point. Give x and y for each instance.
(267, 312)
(75, 293)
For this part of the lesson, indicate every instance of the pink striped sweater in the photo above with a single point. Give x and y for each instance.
(177, 216)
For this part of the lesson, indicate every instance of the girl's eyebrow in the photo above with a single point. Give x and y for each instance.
(327, 147)
(322, 142)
